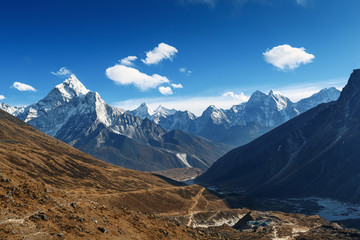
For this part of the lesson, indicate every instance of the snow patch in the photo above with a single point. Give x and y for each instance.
(230, 221)
(182, 157)
(32, 113)
(201, 161)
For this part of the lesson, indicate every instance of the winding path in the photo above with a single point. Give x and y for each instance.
(191, 211)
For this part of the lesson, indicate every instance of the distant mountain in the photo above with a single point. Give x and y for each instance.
(80, 117)
(268, 110)
(314, 154)
(241, 123)
(10, 109)
(183, 120)
(162, 112)
(324, 96)
(143, 111)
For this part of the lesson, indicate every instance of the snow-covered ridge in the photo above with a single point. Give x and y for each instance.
(12, 110)
(144, 111)
(269, 110)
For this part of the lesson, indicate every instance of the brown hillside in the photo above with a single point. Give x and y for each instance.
(41, 176)
(49, 190)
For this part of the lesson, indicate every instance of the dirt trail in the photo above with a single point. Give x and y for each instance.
(146, 190)
(18, 220)
(191, 211)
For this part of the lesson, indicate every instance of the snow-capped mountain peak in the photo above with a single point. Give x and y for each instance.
(72, 87)
(160, 110)
(275, 93)
(280, 100)
(323, 96)
(190, 115)
(143, 111)
(256, 98)
(328, 93)
(210, 110)
(217, 115)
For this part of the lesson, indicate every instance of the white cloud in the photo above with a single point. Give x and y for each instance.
(2, 97)
(195, 104)
(124, 75)
(286, 57)
(179, 85)
(23, 87)
(159, 53)
(128, 61)
(184, 70)
(62, 72)
(239, 97)
(165, 90)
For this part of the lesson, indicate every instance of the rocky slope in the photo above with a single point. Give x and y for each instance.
(80, 117)
(314, 154)
(49, 190)
(241, 123)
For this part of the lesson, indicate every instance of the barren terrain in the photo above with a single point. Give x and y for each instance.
(49, 190)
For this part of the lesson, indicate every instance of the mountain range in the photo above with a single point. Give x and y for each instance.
(241, 123)
(314, 154)
(80, 117)
(157, 140)
(14, 110)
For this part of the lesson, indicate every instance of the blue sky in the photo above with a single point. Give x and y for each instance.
(216, 50)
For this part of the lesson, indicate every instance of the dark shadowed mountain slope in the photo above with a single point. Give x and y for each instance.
(314, 154)
(200, 151)
(176, 150)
